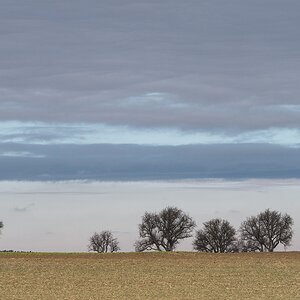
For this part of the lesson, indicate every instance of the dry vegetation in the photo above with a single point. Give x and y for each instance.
(150, 276)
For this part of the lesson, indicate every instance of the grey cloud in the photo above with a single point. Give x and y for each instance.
(131, 162)
(49, 233)
(121, 232)
(219, 65)
(234, 211)
(24, 208)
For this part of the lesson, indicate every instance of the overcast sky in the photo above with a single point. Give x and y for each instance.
(61, 216)
(115, 90)
(156, 73)
(198, 65)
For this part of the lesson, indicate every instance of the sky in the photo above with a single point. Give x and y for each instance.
(149, 73)
(62, 216)
(139, 90)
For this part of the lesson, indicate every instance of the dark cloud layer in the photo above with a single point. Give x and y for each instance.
(212, 64)
(131, 162)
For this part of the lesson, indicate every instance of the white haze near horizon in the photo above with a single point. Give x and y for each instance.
(61, 216)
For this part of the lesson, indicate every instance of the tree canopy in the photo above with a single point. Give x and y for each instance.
(266, 231)
(162, 231)
(217, 236)
(103, 242)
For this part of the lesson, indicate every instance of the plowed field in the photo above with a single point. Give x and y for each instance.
(149, 276)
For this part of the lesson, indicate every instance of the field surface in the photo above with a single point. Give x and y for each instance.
(149, 276)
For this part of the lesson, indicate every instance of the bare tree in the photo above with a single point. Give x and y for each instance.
(266, 231)
(103, 242)
(243, 246)
(162, 231)
(1, 225)
(217, 236)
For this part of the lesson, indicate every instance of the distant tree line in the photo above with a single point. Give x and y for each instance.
(164, 230)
